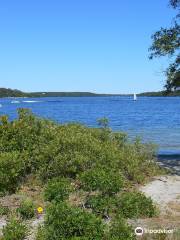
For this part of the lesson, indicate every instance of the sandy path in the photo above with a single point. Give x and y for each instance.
(2, 224)
(33, 226)
(165, 191)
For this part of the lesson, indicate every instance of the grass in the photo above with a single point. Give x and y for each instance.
(14, 230)
(26, 209)
(3, 210)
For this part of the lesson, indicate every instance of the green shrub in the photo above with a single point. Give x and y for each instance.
(137, 161)
(14, 230)
(135, 204)
(3, 210)
(57, 189)
(41, 233)
(75, 149)
(107, 181)
(120, 230)
(52, 150)
(98, 159)
(11, 171)
(103, 122)
(21, 134)
(65, 222)
(100, 205)
(26, 209)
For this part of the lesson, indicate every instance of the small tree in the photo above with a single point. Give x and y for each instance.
(166, 43)
(103, 122)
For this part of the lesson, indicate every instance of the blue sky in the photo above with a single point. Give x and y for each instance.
(81, 45)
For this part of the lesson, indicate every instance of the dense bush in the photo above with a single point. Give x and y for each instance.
(128, 205)
(137, 161)
(95, 159)
(11, 171)
(57, 189)
(120, 230)
(100, 205)
(14, 230)
(50, 150)
(26, 209)
(107, 181)
(98, 161)
(135, 204)
(21, 134)
(65, 222)
(75, 149)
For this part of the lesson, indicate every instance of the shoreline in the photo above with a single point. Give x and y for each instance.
(170, 162)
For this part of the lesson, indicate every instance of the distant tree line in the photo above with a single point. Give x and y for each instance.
(160, 94)
(7, 92)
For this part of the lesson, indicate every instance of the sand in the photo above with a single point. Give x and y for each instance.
(165, 192)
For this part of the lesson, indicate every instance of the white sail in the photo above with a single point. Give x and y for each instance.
(135, 97)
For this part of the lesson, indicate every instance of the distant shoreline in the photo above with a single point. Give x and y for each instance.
(7, 92)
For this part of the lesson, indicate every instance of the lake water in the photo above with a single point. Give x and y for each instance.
(155, 119)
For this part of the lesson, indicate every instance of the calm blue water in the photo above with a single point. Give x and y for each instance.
(155, 119)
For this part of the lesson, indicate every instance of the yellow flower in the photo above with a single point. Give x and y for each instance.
(40, 209)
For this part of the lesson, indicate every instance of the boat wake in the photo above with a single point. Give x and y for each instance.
(15, 101)
(31, 101)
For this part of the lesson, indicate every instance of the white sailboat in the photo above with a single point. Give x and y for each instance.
(135, 97)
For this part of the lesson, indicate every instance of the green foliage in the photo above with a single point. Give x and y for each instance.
(128, 205)
(30, 145)
(137, 161)
(52, 150)
(135, 205)
(93, 159)
(7, 92)
(166, 42)
(26, 209)
(23, 134)
(175, 3)
(101, 205)
(119, 230)
(14, 230)
(107, 181)
(41, 233)
(173, 76)
(3, 210)
(11, 171)
(103, 122)
(64, 222)
(58, 189)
